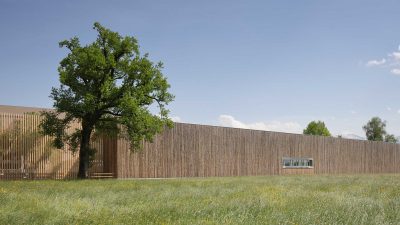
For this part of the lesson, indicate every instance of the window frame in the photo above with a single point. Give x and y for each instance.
(300, 161)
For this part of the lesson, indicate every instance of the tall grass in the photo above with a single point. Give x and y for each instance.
(366, 199)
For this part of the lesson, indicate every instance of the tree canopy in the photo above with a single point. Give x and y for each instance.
(375, 129)
(390, 138)
(107, 86)
(317, 128)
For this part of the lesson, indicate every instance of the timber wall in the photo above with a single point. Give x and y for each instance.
(25, 153)
(190, 150)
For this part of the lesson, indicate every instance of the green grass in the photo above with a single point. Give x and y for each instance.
(367, 199)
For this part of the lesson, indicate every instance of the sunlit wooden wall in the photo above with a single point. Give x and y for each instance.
(25, 153)
(190, 150)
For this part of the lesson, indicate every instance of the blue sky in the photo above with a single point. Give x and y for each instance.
(272, 65)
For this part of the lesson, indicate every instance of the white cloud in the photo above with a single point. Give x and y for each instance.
(395, 71)
(389, 108)
(395, 55)
(176, 118)
(288, 127)
(376, 62)
(353, 112)
(351, 135)
(398, 111)
(392, 62)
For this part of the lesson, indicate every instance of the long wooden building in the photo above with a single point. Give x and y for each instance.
(189, 150)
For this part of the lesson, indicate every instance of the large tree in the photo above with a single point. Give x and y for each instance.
(106, 86)
(317, 128)
(375, 129)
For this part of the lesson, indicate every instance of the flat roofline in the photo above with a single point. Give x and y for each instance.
(280, 132)
(24, 109)
(21, 109)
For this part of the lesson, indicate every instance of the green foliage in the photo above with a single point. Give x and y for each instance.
(317, 128)
(107, 86)
(375, 129)
(390, 138)
(358, 199)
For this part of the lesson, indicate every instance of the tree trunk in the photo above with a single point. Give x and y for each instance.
(84, 152)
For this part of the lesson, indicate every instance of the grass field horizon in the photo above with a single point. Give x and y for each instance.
(341, 199)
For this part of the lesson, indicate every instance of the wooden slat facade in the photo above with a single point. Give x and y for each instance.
(189, 150)
(26, 154)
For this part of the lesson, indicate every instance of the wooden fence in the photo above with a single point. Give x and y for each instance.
(190, 150)
(25, 153)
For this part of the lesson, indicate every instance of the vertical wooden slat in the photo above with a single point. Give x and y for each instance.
(190, 150)
(198, 150)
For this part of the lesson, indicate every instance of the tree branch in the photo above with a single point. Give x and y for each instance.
(112, 113)
(155, 99)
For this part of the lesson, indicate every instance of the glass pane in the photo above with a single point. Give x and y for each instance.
(286, 162)
(297, 162)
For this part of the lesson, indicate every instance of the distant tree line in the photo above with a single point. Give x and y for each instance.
(375, 130)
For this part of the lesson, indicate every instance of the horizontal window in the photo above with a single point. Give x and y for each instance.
(288, 162)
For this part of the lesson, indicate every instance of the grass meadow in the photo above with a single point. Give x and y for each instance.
(365, 199)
